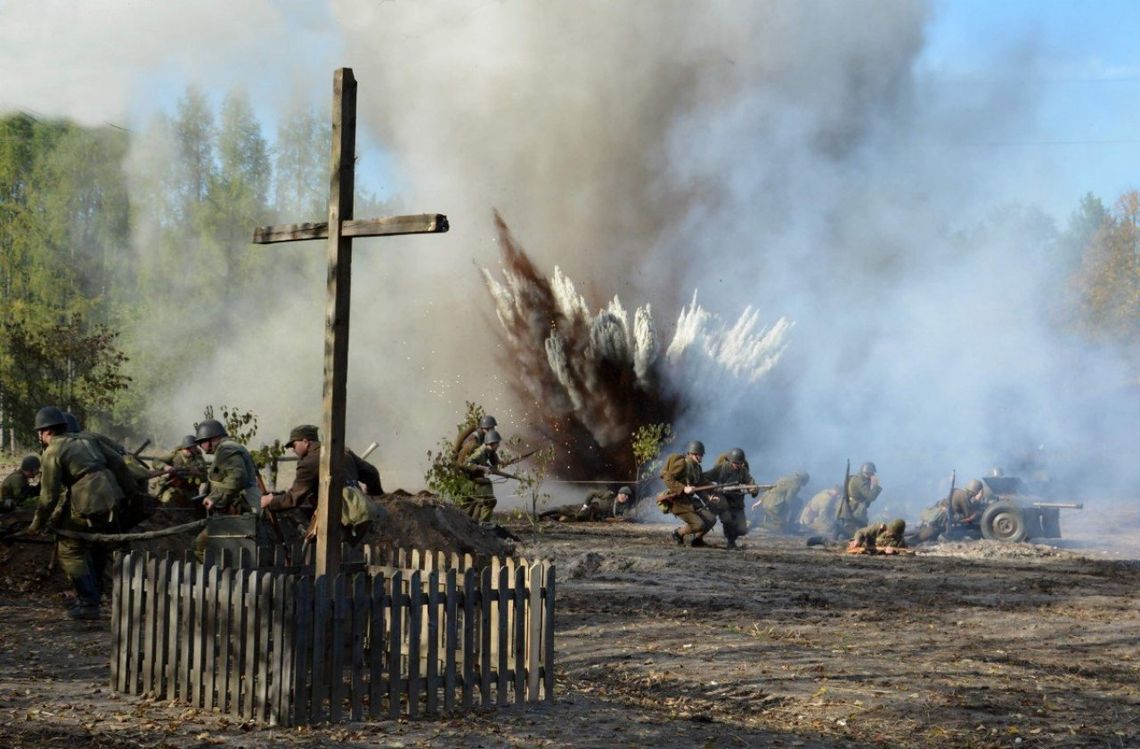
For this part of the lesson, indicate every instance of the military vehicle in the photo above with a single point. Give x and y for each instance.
(1014, 514)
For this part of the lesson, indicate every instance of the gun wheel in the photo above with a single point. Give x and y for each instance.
(1004, 522)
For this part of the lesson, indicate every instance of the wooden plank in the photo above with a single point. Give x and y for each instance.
(174, 615)
(450, 639)
(236, 636)
(283, 699)
(470, 594)
(138, 623)
(302, 649)
(321, 611)
(486, 596)
(518, 651)
(423, 223)
(376, 651)
(276, 667)
(264, 633)
(119, 595)
(249, 638)
(222, 667)
(395, 644)
(210, 638)
(431, 675)
(150, 622)
(534, 630)
(190, 571)
(360, 609)
(415, 630)
(337, 641)
(162, 616)
(548, 633)
(199, 639)
(502, 630)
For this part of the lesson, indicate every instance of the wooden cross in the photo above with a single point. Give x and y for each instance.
(340, 230)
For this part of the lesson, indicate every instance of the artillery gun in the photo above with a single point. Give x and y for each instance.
(1014, 514)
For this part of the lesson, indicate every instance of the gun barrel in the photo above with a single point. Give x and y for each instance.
(1060, 505)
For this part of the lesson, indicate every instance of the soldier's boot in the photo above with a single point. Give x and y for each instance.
(678, 537)
(86, 603)
(731, 544)
(697, 541)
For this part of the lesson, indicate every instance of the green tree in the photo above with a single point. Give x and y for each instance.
(1108, 283)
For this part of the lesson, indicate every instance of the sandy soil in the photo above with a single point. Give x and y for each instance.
(779, 645)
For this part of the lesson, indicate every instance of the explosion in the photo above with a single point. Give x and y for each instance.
(589, 381)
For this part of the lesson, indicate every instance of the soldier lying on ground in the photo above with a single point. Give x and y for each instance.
(880, 538)
(968, 504)
(17, 488)
(599, 505)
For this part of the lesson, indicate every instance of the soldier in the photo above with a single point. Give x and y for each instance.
(862, 489)
(185, 473)
(879, 538)
(232, 476)
(779, 501)
(682, 475)
(479, 466)
(599, 505)
(820, 511)
(299, 503)
(79, 491)
(730, 468)
(968, 504)
(17, 487)
(471, 441)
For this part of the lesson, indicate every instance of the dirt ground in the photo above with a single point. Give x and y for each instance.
(778, 645)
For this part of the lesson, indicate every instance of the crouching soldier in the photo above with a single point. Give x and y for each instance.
(781, 501)
(17, 487)
(731, 468)
(186, 471)
(232, 476)
(79, 491)
(682, 476)
(479, 467)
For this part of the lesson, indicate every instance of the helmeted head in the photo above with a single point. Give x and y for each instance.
(868, 469)
(802, 477)
(696, 447)
(973, 487)
(897, 527)
(736, 456)
(30, 464)
(50, 417)
(492, 438)
(72, 423)
(208, 430)
(623, 494)
(488, 422)
(187, 442)
(997, 472)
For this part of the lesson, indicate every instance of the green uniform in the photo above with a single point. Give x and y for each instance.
(861, 493)
(181, 487)
(729, 506)
(15, 491)
(599, 505)
(967, 516)
(233, 485)
(79, 491)
(820, 512)
(691, 509)
(780, 501)
(880, 536)
(481, 503)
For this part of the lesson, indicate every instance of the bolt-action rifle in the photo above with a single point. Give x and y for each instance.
(844, 510)
(950, 503)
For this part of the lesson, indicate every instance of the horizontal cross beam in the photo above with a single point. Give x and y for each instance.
(424, 223)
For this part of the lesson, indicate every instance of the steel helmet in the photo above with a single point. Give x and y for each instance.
(491, 437)
(30, 464)
(974, 486)
(897, 526)
(48, 417)
(488, 422)
(187, 442)
(868, 469)
(736, 455)
(208, 430)
(696, 447)
(625, 490)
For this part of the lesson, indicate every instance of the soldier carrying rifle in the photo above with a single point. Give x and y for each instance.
(682, 476)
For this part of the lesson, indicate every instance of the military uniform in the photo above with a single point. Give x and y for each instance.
(780, 501)
(820, 512)
(729, 506)
(233, 485)
(861, 493)
(79, 491)
(15, 491)
(968, 508)
(481, 503)
(679, 472)
(181, 486)
(299, 502)
(879, 537)
(599, 505)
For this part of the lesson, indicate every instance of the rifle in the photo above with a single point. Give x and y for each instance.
(504, 474)
(520, 458)
(844, 509)
(270, 516)
(950, 503)
(368, 452)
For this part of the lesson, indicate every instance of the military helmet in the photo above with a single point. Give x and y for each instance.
(187, 442)
(696, 447)
(973, 487)
(736, 455)
(868, 469)
(48, 417)
(803, 477)
(30, 464)
(897, 526)
(72, 422)
(488, 422)
(491, 437)
(208, 430)
(625, 490)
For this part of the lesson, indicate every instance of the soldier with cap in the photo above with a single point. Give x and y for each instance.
(299, 502)
(479, 467)
(601, 504)
(862, 489)
(17, 487)
(730, 468)
(232, 476)
(682, 476)
(780, 501)
(79, 491)
(185, 472)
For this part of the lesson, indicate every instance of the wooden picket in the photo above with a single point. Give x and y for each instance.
(399, 633)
